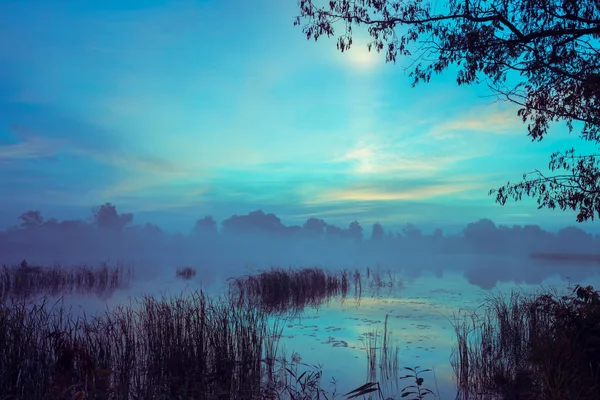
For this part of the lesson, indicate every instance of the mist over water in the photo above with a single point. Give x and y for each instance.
(483, 252)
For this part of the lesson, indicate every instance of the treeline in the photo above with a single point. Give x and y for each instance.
(261, 239)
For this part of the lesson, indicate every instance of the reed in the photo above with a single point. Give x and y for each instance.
(382, 357)
(178, 347)
(26, 280)
(292, 290)
(289, 291)
(536, 346)
(183, 347)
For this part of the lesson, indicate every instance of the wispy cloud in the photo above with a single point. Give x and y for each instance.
(491, 119)
(407, 154)
(390, 191)
(34, 148)
(28, 146)
(32, 145)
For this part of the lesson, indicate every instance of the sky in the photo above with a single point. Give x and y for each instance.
(173, 110)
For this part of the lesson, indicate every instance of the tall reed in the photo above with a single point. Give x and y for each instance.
(284, 291)
(177, 347)
(530, 346)
(26, 280)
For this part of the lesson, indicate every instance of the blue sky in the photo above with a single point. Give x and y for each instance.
(174, 110)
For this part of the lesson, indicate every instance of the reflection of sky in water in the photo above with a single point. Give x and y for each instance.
(420, 315)
(420, 321)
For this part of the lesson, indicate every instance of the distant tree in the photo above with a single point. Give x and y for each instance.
(106, 217)
(377, 232)
(411, 231)
(31, 219)
(255, 220)
(354, 231)
(332, 230)
(574, 238)
(390, 236)
(483, 229)
(314, 226)
(292, 230)
(152, 230)
(51, 223)
(206, 225)
(542, 56)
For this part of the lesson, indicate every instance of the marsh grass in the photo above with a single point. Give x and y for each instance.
(26, 280)
(530, 346)
(382, 279)
(290, 291)
(183, 347)
(169, 348)
(382, 357)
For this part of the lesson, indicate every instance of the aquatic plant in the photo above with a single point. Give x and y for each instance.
(279, 290)
(186, 273)
(25, 280)
(417, 390)
(289, 291)
(530, 346)
(189, 347)
(382, 356)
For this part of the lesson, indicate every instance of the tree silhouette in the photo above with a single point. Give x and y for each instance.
(354, 231)
(377, 232)
(31, 218)
(315, 226)
(106, 217)
(206, 225)
(541, 55)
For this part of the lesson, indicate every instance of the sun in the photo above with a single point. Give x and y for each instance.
(360, 58)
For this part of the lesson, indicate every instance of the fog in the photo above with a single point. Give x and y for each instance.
(485, 252)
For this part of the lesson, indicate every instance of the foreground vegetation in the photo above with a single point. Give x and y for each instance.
(542, 346)
(183, 347)
(525, 346)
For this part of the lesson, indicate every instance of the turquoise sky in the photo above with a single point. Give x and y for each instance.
(177, 109)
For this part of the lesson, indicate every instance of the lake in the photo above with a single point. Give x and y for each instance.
(419, 307)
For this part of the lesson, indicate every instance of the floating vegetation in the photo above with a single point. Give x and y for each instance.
(186, 273)
(26, 280)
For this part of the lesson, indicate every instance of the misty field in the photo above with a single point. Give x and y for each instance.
(234, 345)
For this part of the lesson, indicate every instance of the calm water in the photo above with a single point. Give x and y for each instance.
(420, 314)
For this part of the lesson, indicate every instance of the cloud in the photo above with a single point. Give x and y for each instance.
(488, 119)
(29, 149)
(32, 145)
(378, 193)
(406, 153)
